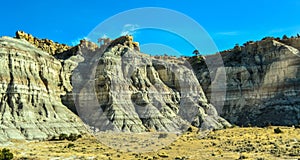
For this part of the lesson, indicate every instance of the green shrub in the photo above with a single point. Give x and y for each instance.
(163, 135)
(278, 130)
(63, 136)
(71, 137)
(5, 154)
(285, 37)
(242, 157)
(70, 145)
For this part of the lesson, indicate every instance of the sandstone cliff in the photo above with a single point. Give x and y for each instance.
(263, 82)
(112, 87)
(44, 44)
(118, 88)
(32, 83)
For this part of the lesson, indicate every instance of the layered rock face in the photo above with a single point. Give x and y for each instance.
(263, 82)
(44, 44)
(133, 92)
(32, 83)
(112, 87)
(116, 87)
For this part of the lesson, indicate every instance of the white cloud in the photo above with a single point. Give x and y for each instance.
(77, 41)
(277, 31)
(230, 33)
(104, 36)
(288, 30)
(129, 29)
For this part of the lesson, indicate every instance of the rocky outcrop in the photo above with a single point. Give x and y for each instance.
(32, 83)
(263, 82)
(116, 87)
(82, 57)
(293, 41)
(44, 44)
(112, 87)
(133, 92)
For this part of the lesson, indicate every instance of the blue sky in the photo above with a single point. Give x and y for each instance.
(227, 22)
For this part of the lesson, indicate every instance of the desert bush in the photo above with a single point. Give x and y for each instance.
(163, 135)
(285, 37)
(5, 154)
(196, 52)
(192, 129)
(242, 157)
(71, 137)
(200, 59)
(63, 136)
(278, 130)
(163, 155)
(70, 145)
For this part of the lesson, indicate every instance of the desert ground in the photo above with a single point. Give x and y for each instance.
(231, 143)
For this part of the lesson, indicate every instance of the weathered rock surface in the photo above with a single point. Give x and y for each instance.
(133, 92)
(82, 57)
(32, 83)
(263, 82)
(45, 44)
(113, 87)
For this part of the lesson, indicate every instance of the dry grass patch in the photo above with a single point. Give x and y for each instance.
(232, 143)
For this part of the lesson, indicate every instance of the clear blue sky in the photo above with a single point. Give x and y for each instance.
(227, 22)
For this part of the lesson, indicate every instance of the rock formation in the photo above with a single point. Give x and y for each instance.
(32, 83)
(45, 44)
(263, 82)
(116, 87)
(112, 87)
(121, 89)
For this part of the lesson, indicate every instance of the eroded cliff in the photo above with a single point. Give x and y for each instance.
(46, 45)
(134, 92)
(112, 87)
(116, 87)
(263, 82)
(32, 83)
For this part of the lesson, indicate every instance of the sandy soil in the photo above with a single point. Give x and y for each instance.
(231, 143)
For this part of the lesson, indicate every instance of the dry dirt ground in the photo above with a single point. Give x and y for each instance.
(231, 143)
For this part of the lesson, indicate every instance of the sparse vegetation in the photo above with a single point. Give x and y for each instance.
(285, 37)
(237, 49)
(277, 130)
(5, 154)
(63, 136)
(196, 52)
(71, 137)
(231, 143)
(242, 157)
(70, 145)
(163, 135)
